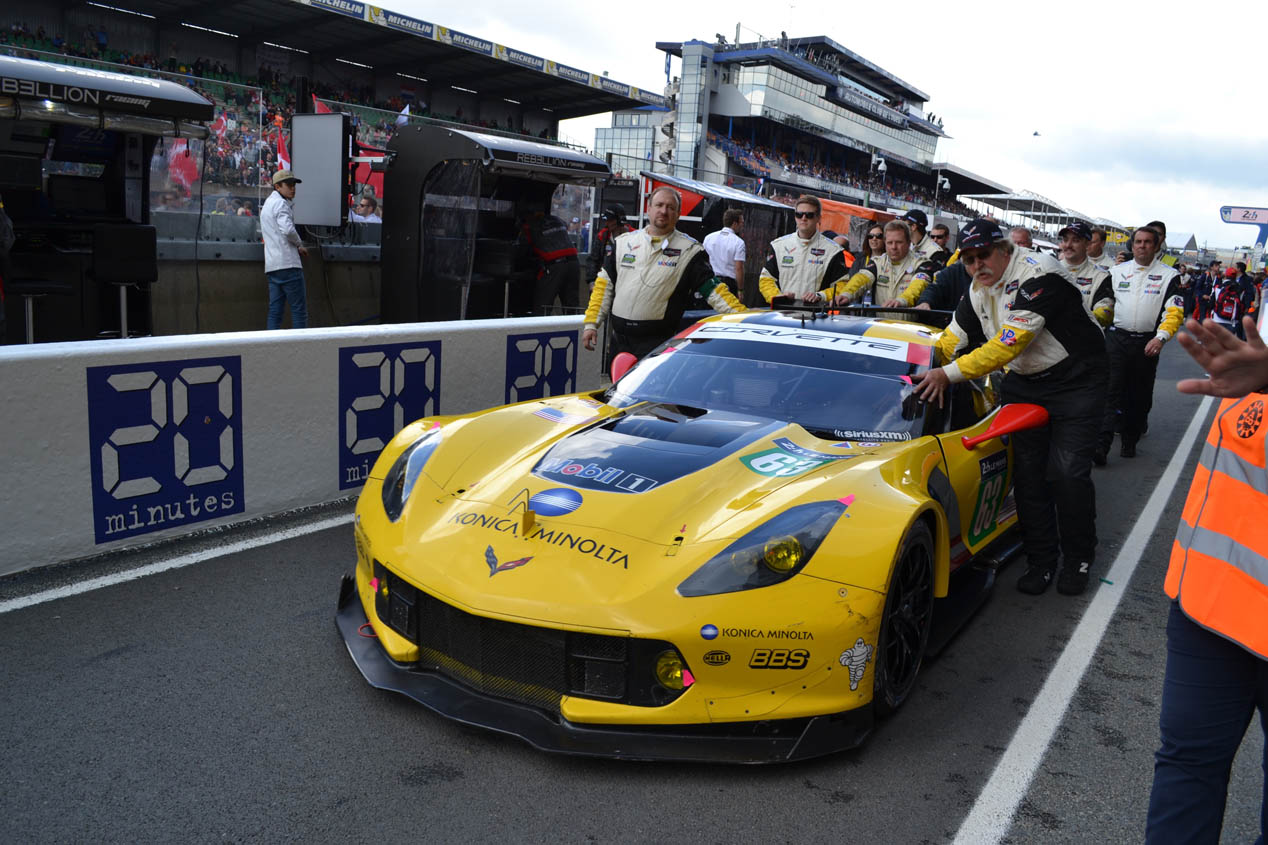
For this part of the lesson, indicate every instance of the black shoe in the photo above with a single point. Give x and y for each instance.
(1100, 457)
(1128, 450)
(1144, 429)
(1035, 580)
(1073, 578)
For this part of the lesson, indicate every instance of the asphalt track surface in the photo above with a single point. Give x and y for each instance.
(217, 702)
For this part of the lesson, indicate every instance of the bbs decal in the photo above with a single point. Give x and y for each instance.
(779, 658)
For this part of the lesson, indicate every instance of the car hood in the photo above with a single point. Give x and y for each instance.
(596, 512)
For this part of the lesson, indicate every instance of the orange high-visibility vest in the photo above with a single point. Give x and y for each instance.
(1219, 560)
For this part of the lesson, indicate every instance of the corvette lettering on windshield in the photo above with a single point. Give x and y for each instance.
(556, 537)
(893, 350)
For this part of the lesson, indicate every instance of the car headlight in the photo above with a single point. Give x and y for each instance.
(399, 481)
(773, 552)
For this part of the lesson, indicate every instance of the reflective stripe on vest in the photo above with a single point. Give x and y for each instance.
(1219, 560)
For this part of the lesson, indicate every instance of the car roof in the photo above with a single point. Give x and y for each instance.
(899, 330)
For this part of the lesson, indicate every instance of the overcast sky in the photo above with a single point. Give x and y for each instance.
(1144, 111)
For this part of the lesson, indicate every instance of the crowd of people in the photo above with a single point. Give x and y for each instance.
(763, 161)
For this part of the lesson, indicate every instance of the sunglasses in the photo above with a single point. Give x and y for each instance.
(939, 237)
(975, 256)
(805, 215)
(876, 237)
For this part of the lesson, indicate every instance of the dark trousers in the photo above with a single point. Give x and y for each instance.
(639, 345)
(1056, 500)
(1211, 690)
(1131, 386)
(562, 279)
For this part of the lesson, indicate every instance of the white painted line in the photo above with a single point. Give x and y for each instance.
(992, 814)
(173, 563)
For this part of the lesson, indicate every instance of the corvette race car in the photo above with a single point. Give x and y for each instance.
(740, 551)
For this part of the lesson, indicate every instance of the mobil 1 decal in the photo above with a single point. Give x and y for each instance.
(540, 365)
(991, 492)
(165, 444)
(382, 388)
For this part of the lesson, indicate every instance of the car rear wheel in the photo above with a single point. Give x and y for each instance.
(906, 623)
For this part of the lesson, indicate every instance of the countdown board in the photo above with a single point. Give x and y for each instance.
(124, 442)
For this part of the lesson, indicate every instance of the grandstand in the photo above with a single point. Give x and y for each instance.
(794, 115)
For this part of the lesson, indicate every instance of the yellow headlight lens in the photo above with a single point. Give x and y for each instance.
(783, 554)
(669, 670)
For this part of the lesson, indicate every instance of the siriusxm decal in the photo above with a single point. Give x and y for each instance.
(555, 502)
(381, 389)
(165, 439)
(540, 365)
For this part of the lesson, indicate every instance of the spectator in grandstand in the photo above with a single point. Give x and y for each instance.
(365, 211)
(247, 209)
(1022, 316)
(1148, 309)
(921, 244)
(895, 278)
(647, 281)
(1021, 236)
(1096, 250)
(726, 250)
(604, 240)
(222, 206)
(283, 253)
(803, 264)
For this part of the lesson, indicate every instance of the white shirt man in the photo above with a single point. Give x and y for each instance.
(726, 250)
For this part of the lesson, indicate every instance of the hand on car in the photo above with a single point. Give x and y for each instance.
(931, 386)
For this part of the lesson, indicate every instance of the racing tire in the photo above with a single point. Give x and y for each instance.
(904, 634)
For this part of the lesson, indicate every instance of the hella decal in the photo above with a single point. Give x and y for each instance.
(717, 658)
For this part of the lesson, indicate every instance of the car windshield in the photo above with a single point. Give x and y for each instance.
(831, 393)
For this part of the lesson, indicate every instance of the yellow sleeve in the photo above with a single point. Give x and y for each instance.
(948, 343)
(911, 295)
(853, 287)
(600, 301)
(1103, 311)
(1172, 319)
(955, 256)
(768, 285)
(720, 297)
(990, 356)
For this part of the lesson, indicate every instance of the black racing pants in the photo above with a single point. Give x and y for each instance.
(1056, 500)
(1131, 386)
(562, 279)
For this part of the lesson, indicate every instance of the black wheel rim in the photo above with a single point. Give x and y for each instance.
(907, 626)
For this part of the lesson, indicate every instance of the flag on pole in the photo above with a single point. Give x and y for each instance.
(319, 107)
(283, 157)
(403, 117)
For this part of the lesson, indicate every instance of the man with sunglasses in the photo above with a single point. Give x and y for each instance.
(366, 211)
(1023, 315)
(803, 264)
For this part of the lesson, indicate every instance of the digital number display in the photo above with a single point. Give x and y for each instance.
(540, 365)
(381, 389)
(165, 440)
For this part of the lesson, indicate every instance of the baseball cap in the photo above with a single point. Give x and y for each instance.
(285, 176)
(1079, 229)
(615, 211)
(918, 217)
(980, 233)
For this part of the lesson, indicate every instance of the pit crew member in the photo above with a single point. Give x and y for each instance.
(1093, 281)
(1024, 315)
(1148, 308)
(923, 243)
(804, 262)
(895, 278)
(647, 281)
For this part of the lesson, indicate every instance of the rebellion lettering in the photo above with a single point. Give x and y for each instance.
(48, 91)
(578, 543)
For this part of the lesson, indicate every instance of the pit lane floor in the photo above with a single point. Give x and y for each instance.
(216, 701)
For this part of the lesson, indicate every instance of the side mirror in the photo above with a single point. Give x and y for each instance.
(1011, 418)
(622, 363)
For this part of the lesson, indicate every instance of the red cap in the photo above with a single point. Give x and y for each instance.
(1230, 272)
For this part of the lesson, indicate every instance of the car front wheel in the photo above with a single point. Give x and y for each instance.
(906, 623)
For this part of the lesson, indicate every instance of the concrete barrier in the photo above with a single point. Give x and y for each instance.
(116, 443)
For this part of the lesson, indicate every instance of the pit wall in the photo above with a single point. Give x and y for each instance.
(116, 443)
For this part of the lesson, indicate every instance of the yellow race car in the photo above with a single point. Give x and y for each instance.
(740, 551)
